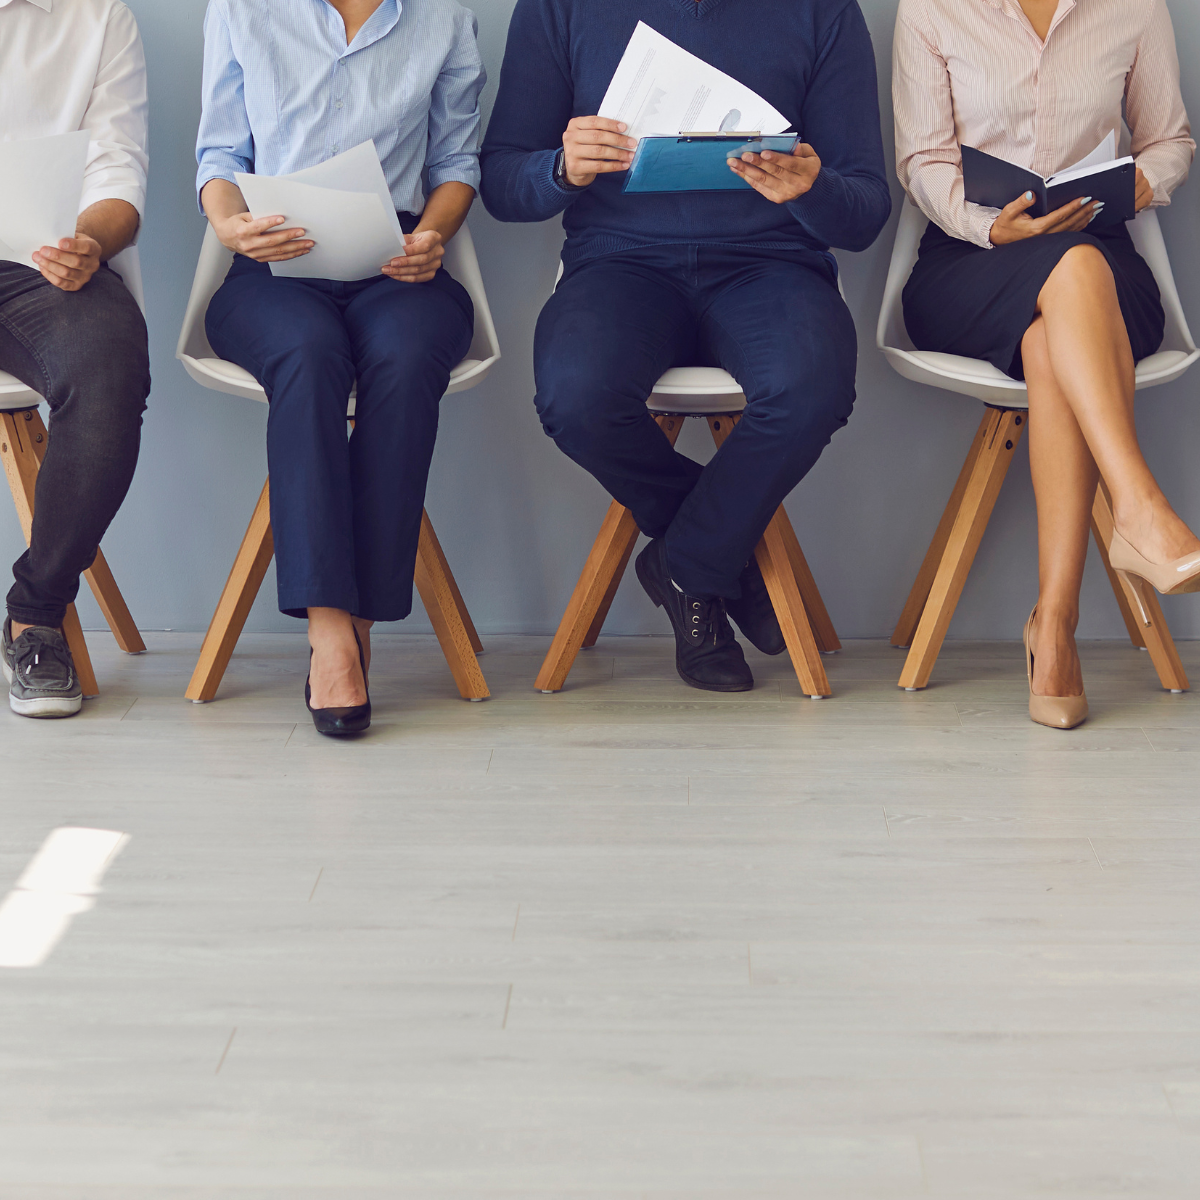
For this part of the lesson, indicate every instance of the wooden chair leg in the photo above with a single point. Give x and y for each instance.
(775, 560)
(241, 588)
(99, 576)
(446, 610)
(73, 632)
(597, 587)
(822, 627)
(443, 567)
(602, 612)
(1142, 613)
(780, 578)
(112, 605)
(1002, 431)
(906, 627)
(612, 548)
(20, 451)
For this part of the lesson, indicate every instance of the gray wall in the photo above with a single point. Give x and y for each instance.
(515, 517)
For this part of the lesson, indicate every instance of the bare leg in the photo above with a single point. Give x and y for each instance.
(335, 676)
(1089, 353)
(363, 629)
(1064, 481)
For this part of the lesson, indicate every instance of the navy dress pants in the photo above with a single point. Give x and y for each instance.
(346, 513)
(773, 319)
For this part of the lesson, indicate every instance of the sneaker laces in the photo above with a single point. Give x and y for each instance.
(46, 650)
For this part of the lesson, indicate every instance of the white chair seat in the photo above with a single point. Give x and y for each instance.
(220, 376)
(696, 391)
(980, 380)
(15, 395)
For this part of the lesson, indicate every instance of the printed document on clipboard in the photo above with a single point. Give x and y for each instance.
(659, 88)
(661, 91)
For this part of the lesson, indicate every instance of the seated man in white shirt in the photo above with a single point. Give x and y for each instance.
(70, 329)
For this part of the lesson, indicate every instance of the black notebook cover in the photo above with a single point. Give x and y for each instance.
(996, 183)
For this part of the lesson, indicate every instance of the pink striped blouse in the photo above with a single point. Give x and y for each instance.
(974, 72)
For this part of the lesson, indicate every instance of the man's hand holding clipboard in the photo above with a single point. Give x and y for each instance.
(780, 177)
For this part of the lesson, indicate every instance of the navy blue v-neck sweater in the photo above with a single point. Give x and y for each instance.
(811, 59)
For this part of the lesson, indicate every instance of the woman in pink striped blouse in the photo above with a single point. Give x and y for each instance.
(1063, 301)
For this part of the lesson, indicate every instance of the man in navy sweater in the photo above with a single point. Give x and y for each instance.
(741, 279)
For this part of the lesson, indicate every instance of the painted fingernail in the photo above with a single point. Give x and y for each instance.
(1084, 200)
(1028, 195)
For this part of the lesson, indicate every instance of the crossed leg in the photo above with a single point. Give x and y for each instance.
(1079, 369)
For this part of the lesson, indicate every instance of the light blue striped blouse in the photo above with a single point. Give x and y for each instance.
(283, 91)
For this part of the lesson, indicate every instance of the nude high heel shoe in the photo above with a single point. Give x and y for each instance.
(1171, 579)
(1057, 712)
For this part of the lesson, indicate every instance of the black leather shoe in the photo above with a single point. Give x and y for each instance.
(341, 722)
(706, 654)
(754, 612)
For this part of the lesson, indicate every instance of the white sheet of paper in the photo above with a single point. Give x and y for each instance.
(353, 235)
(1103, 154)
(343, 204)
(659, 88)
(39, 199)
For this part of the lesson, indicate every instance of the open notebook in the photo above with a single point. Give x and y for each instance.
(996, 183)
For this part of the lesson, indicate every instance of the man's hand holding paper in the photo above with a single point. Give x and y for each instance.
(595, 146)
(661, 90)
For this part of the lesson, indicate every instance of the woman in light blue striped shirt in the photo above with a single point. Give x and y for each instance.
(289, 84)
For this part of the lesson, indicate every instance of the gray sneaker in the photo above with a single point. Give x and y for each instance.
(40, 673)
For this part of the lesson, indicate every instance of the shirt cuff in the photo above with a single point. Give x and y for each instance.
(131, 193)
(1160, 199)
(980, 220)
(467, 175)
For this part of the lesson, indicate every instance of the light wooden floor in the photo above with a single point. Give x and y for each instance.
(632, 940)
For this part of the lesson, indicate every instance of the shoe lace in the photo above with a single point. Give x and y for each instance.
(45, 650)
(707, 619)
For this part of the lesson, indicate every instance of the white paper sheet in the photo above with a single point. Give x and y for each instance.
(661, 89)
(39, 200)
(344, 205)
(1101, 159)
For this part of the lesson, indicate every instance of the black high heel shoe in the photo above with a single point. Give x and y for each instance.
(341, 722)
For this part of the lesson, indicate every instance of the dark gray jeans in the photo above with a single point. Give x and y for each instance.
(85, 352)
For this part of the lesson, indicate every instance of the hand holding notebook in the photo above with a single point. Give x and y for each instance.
(1108, 182)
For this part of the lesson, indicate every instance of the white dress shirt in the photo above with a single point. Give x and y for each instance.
(67, 65)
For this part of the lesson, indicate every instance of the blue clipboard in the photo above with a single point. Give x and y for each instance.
(697, 162)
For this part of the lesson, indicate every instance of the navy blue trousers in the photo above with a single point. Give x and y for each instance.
(773, 319)
(346, 514)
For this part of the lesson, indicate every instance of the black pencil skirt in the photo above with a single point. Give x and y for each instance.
(964, 299)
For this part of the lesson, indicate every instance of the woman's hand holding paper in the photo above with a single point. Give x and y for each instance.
(779, 177)
(422, 259)
(261, 240)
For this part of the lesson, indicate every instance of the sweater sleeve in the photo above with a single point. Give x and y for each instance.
(849, 203)
(533, 107)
